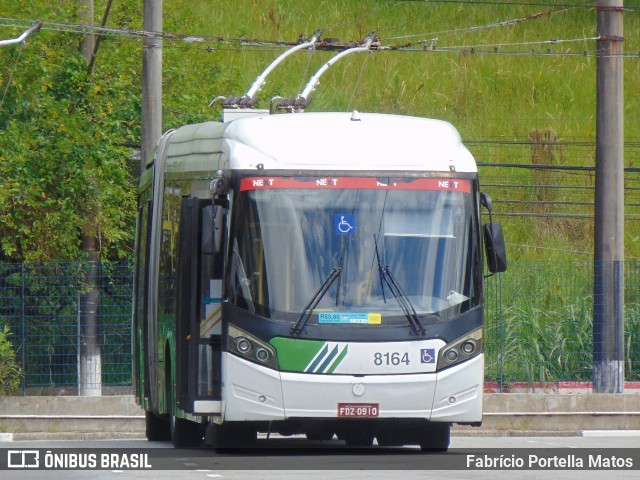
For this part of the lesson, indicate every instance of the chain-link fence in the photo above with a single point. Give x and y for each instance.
(45, 305)
(539, 324)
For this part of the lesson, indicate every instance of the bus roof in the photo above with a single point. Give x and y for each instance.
(320, 141)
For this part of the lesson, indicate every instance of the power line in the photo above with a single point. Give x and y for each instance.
(515, 3)
(551, 249)
(551, 167)
(495, 46)
(236, 43)
(504, 23)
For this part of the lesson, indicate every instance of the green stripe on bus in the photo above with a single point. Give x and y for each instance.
(337, 361)
(293, 354)
(328, 359)
(312, 366)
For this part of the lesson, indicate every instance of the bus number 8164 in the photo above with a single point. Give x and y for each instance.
(391, 358)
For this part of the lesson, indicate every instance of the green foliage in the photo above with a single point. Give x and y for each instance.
(10, 371)
(64, 166)
(501, 92)
(65, 136)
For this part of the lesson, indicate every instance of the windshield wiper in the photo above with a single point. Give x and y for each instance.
(403, 301)
(315, 299)
(400, 296)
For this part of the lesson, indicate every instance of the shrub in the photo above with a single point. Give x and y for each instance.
(10, 371)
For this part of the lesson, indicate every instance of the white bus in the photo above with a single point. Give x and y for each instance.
(317, 274)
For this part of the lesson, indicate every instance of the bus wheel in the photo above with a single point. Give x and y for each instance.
(231, 436)
(156, 428)
(185, 433)
(436, 437)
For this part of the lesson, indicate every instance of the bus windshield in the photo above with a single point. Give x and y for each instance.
(354, 250)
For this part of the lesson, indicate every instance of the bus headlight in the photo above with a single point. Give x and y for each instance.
(461, 349)
(243, 345)
(250, 348)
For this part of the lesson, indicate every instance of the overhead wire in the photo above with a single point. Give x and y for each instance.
(478, 28)
(357, 82)
(235, 43)
(518, 3)
(179, 40)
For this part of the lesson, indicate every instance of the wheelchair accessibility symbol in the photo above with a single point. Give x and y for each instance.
(344, 224)
(427, 355)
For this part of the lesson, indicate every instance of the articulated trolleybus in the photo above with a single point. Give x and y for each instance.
(315, 273)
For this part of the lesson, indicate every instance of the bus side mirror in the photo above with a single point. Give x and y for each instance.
(495, 248)
(207, 244)
(485, 201)
(213, 218)
(219, 219)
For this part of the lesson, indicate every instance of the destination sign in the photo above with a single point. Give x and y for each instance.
(266, 183)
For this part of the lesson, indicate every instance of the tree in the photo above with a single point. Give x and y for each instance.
(65, 149)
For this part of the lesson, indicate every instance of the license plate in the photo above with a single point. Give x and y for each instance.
(358, 409)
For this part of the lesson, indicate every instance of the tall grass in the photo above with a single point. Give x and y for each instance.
(502, 91)
(496, 82)
(544, 332)
(510, 90)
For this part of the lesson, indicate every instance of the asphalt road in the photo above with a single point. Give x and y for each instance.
(468, 457)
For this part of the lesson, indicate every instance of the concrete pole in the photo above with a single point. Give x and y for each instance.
(151, 80)
(90, 355)
(90, 367)
(608, 298)
(85, 15)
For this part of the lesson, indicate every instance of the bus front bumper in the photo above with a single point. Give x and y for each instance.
(255, 393)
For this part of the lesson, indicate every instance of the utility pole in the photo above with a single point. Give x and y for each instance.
(608, 290)
(151, 79)
(85, 15)
(151, 133)
(90, 367)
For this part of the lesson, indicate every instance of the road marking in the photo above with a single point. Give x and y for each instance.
(611, 433)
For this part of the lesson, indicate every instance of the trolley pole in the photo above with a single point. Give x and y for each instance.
(608, 298)
(151, 79)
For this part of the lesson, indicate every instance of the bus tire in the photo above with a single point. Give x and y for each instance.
(436, 438)
(185, 433)
(231, 436)
(156, 428)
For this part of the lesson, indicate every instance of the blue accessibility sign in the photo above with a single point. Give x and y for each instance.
(427, 355)
(344, 224)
